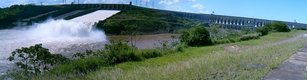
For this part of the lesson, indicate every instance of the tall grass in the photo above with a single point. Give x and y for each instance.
(254, 60)
(221, 36)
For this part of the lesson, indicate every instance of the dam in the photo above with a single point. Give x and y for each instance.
(72, 30)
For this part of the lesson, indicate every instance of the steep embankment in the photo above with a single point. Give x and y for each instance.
(143, 21)
(24, 15)
(10, 15)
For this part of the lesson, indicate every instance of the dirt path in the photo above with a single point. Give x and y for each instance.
(292, 69)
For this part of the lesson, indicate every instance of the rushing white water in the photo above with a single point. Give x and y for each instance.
(62, 30)
(50, 33)
(59, 36)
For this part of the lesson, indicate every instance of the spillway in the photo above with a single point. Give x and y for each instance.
(96, 16)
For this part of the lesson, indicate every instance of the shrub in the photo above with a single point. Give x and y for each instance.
(118, 52)
(274, 26)
(151, 53)
(180, 47)
(87, 53)
(114, 53)
(35, 59)
(301, 28)
(82, 65)
(196, 36)
(264, 30)
(280, 27)
(250, 36)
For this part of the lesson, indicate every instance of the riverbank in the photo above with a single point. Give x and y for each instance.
(242, 60)
(146, 41)
(69, 48)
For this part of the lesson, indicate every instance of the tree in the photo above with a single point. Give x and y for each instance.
(265, 29)
(196, 36)
(280, 27)
(35, 59)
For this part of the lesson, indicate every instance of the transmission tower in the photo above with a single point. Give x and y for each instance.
(146, 3)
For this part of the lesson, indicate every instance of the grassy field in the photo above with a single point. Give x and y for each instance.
(247, 60)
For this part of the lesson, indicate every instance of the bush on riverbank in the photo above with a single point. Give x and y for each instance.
(35, 59)
(196, 36)
(114, 53)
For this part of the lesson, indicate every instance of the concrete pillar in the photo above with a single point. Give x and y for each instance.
(226, 21)
(238, 23)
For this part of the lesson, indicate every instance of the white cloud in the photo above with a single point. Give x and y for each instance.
(198, 6)
(192, 0)
(168, 2)
(105, 1)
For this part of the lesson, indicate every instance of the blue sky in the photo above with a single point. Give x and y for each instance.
(285, 10)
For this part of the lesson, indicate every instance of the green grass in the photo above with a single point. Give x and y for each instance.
(247, 60)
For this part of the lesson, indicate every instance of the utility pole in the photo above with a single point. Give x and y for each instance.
(153, 3)
(146, 3)
(212, 13)
(141, 3)
(295, 21)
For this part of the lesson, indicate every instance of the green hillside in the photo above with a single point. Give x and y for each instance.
(19, 12)
(131, 19)
(143, 21)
